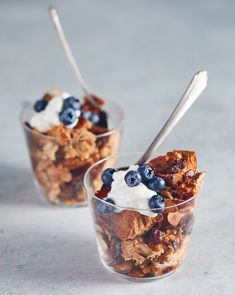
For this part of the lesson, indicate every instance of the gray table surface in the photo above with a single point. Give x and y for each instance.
(141, 54)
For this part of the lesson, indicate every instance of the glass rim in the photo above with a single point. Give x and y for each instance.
(89, 193)
(109, 132)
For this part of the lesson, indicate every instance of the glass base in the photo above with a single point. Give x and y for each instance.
(132, 279)
(44, 199)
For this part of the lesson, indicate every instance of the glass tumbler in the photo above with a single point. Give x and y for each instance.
(131, 243)
(59, 164)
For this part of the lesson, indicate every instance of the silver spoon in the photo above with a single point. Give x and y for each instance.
(193, 91)
(70, 57)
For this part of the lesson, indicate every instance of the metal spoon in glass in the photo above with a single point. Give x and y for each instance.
(193, 91)
(70, 57)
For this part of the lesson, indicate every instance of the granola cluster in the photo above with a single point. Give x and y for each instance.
(141, 246)
(61, 156)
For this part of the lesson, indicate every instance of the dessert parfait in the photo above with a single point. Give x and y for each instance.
(144, 214)
(66, 136)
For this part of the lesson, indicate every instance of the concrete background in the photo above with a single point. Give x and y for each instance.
(141, 54)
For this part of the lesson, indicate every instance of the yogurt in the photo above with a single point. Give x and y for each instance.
(49, 117)
(136, 197)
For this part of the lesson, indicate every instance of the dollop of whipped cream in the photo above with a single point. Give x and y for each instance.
(135, 197)
(46, 119)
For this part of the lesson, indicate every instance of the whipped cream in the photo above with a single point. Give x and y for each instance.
(44, 120)
(135, 197)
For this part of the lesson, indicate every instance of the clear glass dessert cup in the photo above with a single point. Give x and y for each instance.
(59, 164)
(132, 244)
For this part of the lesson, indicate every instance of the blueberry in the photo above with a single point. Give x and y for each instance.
(40, 105)
(117, 250)
(107, 176)
(86, 114)
(156, 183)
(72, 102)
(67, 116)
(132, 178)
(157, 203)
(146, 172)
(103, 122)
(104, 209)
(94, 118)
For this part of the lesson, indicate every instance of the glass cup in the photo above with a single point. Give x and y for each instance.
(132, 244)
(59, 164)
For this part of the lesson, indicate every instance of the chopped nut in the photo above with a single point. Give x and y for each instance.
(170, 206)
(166, 193)
(174, 218)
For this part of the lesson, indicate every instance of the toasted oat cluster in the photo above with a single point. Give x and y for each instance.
(142, 246)
(61, 155)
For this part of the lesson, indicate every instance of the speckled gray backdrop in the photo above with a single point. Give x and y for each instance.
(141, 54)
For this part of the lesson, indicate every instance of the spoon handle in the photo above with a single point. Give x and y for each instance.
(69, 54)
(193, 91)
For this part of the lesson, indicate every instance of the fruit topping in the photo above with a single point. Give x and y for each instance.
(40, 105)
(67, 116)
(72, 102)
(93, 117)
(156, 184)
(132, 178)
(105, 209)
(146, 172)
(157, 203)
(107, 176)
